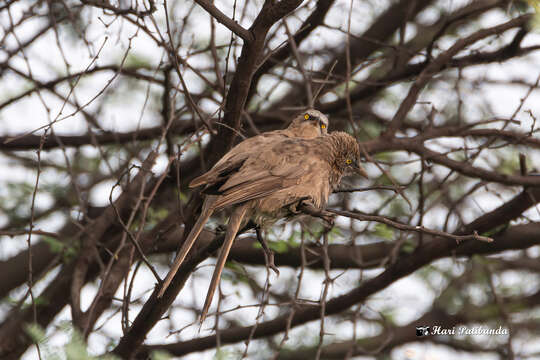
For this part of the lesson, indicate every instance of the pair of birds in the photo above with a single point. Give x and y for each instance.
(265, 177)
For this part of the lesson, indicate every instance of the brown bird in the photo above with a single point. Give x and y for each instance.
(308, 124)
(270, 183)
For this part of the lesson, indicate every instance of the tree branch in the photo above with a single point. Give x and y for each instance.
(441, 61)
(433, 249)
(232, 25)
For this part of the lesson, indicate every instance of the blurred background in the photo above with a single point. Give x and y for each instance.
(108, 108)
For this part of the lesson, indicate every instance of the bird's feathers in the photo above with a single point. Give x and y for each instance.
(262, 177)
(235, 221)
(206, 212)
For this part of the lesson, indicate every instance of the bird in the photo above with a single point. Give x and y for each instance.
(308, 124)
(272, 182)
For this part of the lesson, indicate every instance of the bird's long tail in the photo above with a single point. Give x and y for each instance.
(190, 240)
(235, 221)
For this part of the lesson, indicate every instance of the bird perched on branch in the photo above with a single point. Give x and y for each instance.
(308, 124)
(271, 182)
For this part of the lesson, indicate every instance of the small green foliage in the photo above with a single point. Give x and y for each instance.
(233, 266)
(155, 215)
(384, 156)
(40, 300)
(160, 355)
(16, 198)
(408, 247)
(496, 230)
(280, 246)
(67, 249)
(398, 208)
(236, 275)
(136, 61)
(76, 348)
(509, 164)
(55, 245)
(519, 7)
(535, 22)
(294, 238)
(383, 231)
(334, 233)
(36, 333)
(183, 197)
(373, 129)
(384, 180)
(222, 354)
(70, 252)
(458, 156)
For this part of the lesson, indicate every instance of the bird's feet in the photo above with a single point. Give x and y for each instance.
(295, 208)
(221, 229)
(270, 261)
(329, 221)
(268, 254)
(307, 207)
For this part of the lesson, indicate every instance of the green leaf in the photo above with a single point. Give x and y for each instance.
(294, 238)
(55, 245)
(535, 21)
(398, 207)
(280, 246)
(385, 156)
(40, 300)
(384, 180)
(383, 231)
(76, 348)
(408, 247)
(137, 61)
(496, 230)
(224, 354)
(36, 333)
(160, 355)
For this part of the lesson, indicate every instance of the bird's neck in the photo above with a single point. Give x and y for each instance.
(334, 156)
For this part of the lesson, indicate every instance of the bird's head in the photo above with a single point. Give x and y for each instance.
(310, 123)
(347, 154)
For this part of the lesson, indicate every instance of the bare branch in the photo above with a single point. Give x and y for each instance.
(225, 20)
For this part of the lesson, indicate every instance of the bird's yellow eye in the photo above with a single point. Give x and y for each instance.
(323, 126)
(348, 161)
(306, 116)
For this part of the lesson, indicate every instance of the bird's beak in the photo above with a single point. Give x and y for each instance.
(360, 171)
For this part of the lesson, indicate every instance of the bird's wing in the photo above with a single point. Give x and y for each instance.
(218, 175)
(234, 159)
(235, 222)
(248, 191)
(220, 171)
(264, 176)
(188, 243)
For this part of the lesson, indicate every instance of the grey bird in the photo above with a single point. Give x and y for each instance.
(272, 181)
(308, 124)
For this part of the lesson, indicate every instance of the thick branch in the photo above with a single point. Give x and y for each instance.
(225, 20)
(315, 19)
(247, 64)
(94, 231)
(31, 142)
(434, 249)
(467, 169)
(441, 61)
(51, 84)
(362, 46)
